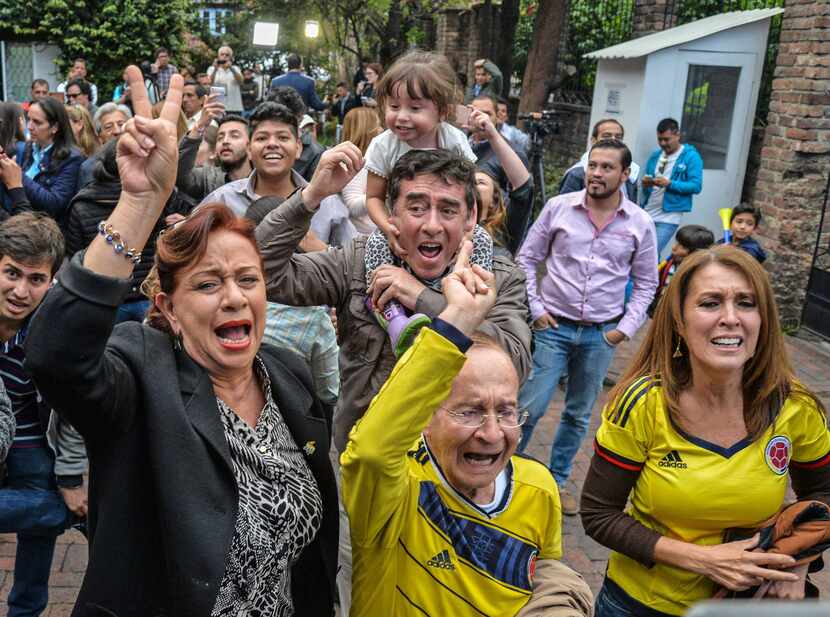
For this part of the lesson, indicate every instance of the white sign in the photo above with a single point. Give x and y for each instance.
(266, 33)
(613, 101)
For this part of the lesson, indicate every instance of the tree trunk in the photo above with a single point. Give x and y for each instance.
(392, 45)
(504, 54)
(544, 55)
(485, 30)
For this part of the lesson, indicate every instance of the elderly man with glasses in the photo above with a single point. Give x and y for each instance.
(444, 519)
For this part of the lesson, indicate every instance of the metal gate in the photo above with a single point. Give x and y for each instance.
(816, 315)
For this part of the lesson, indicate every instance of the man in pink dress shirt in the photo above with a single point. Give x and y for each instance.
(591, 242)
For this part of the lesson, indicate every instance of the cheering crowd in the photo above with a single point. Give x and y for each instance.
(267, 378)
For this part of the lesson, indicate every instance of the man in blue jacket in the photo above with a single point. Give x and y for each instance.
(673, 173)
(301, 83)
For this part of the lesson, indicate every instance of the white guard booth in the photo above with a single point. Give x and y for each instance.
(706, 75)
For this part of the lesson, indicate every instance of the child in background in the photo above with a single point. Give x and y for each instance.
(417, 99)
(689, 238)
(742, 223)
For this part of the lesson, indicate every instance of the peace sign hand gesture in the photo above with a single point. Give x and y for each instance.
(470, 292)
(147, 153)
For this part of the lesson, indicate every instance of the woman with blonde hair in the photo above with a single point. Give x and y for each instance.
(703, 432)
(83, 129)
(360, 126)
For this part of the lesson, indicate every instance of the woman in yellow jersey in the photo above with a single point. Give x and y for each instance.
(702, 433)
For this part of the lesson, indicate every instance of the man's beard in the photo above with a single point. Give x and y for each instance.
(604, 194)
(232, 166)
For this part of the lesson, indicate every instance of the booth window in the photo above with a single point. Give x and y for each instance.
(708, 108)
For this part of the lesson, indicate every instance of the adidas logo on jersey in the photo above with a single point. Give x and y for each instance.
(672, 459)
(442, 560)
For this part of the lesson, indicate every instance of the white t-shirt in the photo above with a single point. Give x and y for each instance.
(387, 148)
(654, 207)
(233, 94)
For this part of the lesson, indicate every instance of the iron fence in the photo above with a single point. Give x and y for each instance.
(590, 25)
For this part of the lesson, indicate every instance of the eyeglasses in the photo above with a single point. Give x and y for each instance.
(73, 96)
(474, 418)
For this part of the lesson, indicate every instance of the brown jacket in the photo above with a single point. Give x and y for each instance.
(337, 278)
(558, 591)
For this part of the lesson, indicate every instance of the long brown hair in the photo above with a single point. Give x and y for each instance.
(768, 377)
(360, 126)
(496, 212)
(87, 140)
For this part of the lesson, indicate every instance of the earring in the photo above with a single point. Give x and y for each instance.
(677, 353)
(177, 341)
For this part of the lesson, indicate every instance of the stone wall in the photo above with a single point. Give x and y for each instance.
(795, 159)
(568, 145)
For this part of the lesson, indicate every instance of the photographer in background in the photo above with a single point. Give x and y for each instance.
(225, 73)
(121, 95)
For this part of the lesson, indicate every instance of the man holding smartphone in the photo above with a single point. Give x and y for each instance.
(674, 172)
(225, 74)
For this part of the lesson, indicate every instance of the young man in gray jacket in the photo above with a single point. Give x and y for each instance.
(43, 492)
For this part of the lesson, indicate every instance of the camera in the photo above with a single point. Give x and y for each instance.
(541, 123)
(147, 70)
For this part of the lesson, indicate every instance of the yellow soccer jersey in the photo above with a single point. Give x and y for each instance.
(693, 490)
(419, 547)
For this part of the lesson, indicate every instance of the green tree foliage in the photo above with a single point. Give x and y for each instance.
(591, 25)
(110, 34)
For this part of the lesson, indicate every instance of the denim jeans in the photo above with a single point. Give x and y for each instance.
(582, 353)
(132, 311)
(608, 604)
(32, 507)
(665, 232)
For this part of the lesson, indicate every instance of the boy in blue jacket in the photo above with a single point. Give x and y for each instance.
(673, 173)
(743, 222)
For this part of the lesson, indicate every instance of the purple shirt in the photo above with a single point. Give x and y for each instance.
(588, 267)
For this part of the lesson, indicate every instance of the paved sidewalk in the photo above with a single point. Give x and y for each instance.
(812, 362)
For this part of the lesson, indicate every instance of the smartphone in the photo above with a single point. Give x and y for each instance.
(462, 115)
(219, 91)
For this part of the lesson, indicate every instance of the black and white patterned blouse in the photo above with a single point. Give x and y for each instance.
(280, 511)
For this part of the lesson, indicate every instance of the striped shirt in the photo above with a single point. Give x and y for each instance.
(22, 392)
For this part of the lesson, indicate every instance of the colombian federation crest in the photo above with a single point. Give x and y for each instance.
(777, 454)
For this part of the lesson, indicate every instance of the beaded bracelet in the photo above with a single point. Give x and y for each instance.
(114, 238)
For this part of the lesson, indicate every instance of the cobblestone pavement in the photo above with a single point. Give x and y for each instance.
(811, 359)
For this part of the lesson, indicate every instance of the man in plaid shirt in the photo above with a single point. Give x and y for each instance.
(163, 70)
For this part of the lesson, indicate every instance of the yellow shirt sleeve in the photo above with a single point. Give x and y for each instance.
(624, 436)
(375, 481)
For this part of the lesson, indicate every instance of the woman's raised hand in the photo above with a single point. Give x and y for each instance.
(148, 149)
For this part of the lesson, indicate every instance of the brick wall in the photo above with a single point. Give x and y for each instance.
(795, 158)
(458, 35)
(650, 16)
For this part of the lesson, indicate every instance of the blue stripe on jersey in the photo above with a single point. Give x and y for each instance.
(615, 414)
(505, 558)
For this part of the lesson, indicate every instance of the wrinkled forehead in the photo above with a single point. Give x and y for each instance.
(432, 188)
(488, 379)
